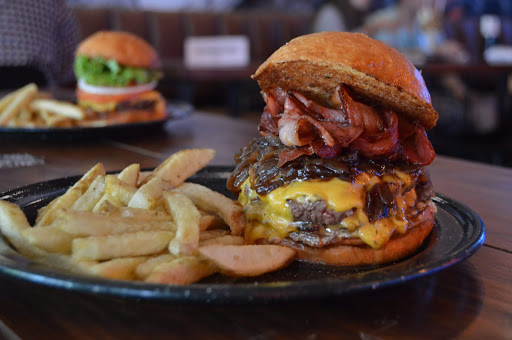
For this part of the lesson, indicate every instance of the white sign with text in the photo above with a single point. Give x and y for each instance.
(222, 51)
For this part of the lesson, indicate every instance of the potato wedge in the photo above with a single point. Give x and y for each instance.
(247, 260)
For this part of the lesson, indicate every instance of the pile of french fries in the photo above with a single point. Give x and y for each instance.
(145, 226)
(27, 107)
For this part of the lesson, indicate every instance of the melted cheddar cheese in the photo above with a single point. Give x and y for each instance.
(269, 216)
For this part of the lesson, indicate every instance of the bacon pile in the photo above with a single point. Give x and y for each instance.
(308, 128)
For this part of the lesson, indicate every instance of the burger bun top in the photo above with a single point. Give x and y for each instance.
(126, 48)
(315, 64)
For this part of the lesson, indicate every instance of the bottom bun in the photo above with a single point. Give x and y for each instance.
(398, 247)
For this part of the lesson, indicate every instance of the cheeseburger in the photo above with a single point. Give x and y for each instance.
(339, 170)
(117, 73)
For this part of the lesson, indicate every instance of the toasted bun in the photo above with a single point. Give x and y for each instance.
(317, 63)
(127, 49)
(398, 247)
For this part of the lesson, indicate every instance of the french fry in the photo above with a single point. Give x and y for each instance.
(225, 240)
(120, 190)
(7, 99)
(47, 216)
(215, 202)
(51, 119)
(106, 205)
(208, 234)
(122, 245)
(206, 221)
(12, 224)
(135, 226)
(25, 115)
(82, 223)
(248, 260)
(130, 174)
(58, 107)
(129, 212)
(187, 219)
(143, 175)
(144, 269)
(50, 239)
(91, 196)
(19, 100)
(181, 165)
(149, 194)
(118, 269)
(181, 271)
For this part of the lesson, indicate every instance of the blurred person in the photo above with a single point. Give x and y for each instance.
(279, 5)
(329, 17)
(37, 43)
(186, 5)
(395, 25)
(461, 24)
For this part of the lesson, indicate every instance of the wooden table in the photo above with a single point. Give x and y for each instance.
(469, 300)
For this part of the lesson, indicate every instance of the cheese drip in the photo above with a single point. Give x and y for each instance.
(269, 216)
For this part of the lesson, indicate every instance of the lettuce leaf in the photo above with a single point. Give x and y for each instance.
(102, 72)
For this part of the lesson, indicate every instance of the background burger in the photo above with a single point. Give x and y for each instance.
(339, 170)
(117, 73)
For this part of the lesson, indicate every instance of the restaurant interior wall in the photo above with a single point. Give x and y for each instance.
(455, 135)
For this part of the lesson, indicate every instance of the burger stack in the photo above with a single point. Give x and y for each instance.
(339, 172)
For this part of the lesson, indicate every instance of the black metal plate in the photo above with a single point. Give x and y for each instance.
(457, 234)
(176, 110)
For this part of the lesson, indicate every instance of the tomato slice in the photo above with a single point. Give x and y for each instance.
(105, 98)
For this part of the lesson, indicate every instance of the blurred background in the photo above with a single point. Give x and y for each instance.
(463, 49)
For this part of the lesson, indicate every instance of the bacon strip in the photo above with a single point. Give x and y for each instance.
(311, 128)
(343, 134)
(379, 143)
(298, 129)
(319, 111)
(358, 114)
(272, 105)
(267, 123)
(418, 149)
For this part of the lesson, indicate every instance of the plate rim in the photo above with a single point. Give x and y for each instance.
(227, 292)
(183, 112)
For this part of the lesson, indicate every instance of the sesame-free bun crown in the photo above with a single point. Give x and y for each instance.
(315, 64)
(127, 49)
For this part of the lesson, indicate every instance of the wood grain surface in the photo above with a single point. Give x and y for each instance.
(469, 300)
